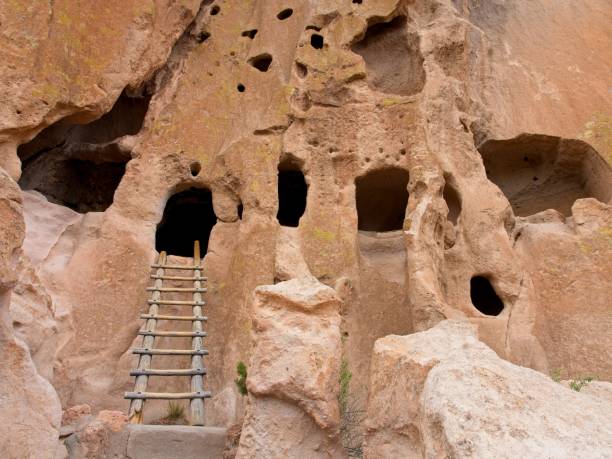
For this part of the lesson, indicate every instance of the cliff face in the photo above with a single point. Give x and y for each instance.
(389, 164)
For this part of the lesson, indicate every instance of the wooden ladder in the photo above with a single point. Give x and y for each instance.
(149, 333)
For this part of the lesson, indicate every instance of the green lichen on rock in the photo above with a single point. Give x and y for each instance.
(598, 133)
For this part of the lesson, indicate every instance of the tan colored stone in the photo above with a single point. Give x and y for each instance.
(570, 264)
(394, 85)
(29, 407)
(293, 373)
(443, 393)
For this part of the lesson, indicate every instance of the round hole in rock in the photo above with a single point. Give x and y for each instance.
(301, 70)
(285, 14)
(188, 217)
(292, 193)
(316, 41)
(195, 168)
(261, 62)
(215, 10)
(202, 37)
(484, 298)
(382, 197)
(240, 87)
(249, 33)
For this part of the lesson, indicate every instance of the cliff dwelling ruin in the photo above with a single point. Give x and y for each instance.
(348, 229)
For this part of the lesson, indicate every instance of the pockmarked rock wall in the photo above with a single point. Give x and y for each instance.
(453, 159)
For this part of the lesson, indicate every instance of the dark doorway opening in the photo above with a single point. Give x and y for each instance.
(382, 197)
(292, 193)
(484, 297)
(188, 217)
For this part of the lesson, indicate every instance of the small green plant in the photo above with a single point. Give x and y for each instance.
(351, 414)
(345, 381)
(578, 383)
(240, 381)
(175, 411)
(556, 374)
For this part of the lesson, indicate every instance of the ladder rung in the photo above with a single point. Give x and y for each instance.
(177, 303)
(185, 318)
(184, 267)
(170, 351)
(172, 372)
(178, 278)
(166, 395)
(176, 289)
(172, 333)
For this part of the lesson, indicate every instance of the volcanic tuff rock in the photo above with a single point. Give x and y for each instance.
(294, 371)
(426, 160)
(443, 393)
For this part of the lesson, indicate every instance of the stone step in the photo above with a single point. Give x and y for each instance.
(166, 442)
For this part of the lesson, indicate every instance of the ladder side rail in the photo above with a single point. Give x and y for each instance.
(197, 361)
(135, 413)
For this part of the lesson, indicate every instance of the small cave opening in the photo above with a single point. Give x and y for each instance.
(80, 165)
(393, 58)
(215, 10)
(539, 172)
(188, 216)
(317, 41)
(249, 33)
(453, 201)
(241, 87)
(382, 197)
(284, 14)
(292, 193)
(82, 185)
(126, 117)
(261, 62)
(484, 298)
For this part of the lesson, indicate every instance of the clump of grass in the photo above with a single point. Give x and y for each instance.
(578, 383)
(351, 414)
(555, 374)
(240, 381)
(175, 411)
(345, 381)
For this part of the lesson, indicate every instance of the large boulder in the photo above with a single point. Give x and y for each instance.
(443, 393)
(293, 373)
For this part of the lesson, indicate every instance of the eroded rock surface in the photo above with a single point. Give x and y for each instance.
(443, 393)
(388, 149)
(293, 372)
(30, 407)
